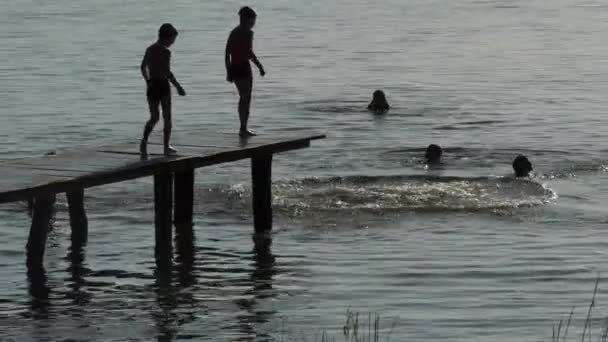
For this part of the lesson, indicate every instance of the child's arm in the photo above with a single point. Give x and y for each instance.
(254, 58)
(144, 67)
(172, 78)
(227, 58)
(257, 63)
(178, 86)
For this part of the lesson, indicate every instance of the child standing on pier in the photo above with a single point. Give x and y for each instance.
(156, 71)
(239, 51)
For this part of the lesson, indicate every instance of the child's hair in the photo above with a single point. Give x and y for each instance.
(247, 13)
(522, 166)
(379, 102)
(433, 153)
(166, 31)
(379, 96)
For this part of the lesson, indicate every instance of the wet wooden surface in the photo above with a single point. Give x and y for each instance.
(92, 166)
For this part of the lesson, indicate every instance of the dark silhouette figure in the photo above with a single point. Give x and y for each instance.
(379, 103)
(522, 166)
(433, 154)
(156, 71)
(239, 51)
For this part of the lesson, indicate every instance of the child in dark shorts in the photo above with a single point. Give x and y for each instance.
(156, 70)
(239, 51)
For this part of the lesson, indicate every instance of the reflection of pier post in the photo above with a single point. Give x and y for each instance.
(261, 291)
(77, 292)
(39, 291)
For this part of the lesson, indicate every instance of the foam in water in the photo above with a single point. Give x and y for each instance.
(313, 196)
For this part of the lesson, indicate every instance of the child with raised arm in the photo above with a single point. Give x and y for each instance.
(156, 71)
(239, 51)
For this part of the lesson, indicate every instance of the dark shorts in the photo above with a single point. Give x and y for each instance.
(158, 89)
(239, 72)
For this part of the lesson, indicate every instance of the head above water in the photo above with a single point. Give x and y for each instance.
(522, 166)
(379, 102)
(247, 17)
(167, 34)
(433, 154)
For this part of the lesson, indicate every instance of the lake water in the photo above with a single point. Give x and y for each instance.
(455, 254)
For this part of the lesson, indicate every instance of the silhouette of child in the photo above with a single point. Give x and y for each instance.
(379, 103)
(522, 166)
(239, 51)
(156, 71)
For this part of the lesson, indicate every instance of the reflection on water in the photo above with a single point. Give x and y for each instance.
(39, 292)
(181, 295)
(260, 283)
(173, 287)
(77, 287)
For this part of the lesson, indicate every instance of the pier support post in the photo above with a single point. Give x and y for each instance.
(41, 219)
(261, 175)
(78, 218)
(163, 208)
(184, 205)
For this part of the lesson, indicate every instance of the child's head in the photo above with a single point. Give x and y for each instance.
(433, 154)
(167, 34)
(522, 166)
(247, 17)
(379, 103)
(379, 98)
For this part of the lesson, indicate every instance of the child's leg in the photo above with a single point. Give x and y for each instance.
(154, 115)
(244, 86)
(165, 103)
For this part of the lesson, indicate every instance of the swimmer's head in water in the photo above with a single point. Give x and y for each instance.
(247, 17)
(433, 154)
(379, 102)
(167, 34)
(522, 166)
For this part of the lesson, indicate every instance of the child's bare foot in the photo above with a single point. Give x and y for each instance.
(170, 150)
(247, 133)
(143, 147)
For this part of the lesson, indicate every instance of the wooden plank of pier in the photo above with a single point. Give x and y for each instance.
(74, 170)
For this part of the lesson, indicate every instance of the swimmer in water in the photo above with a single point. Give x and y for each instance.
(522, 166)
(433, 154)
(379, 103)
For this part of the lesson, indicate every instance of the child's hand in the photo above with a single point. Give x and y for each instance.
(229, 77)
(181, 91)
(262, 72)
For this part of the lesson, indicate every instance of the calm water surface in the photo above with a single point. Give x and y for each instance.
(456, 254)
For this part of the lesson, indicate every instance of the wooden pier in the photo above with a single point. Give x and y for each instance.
(38, 180)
